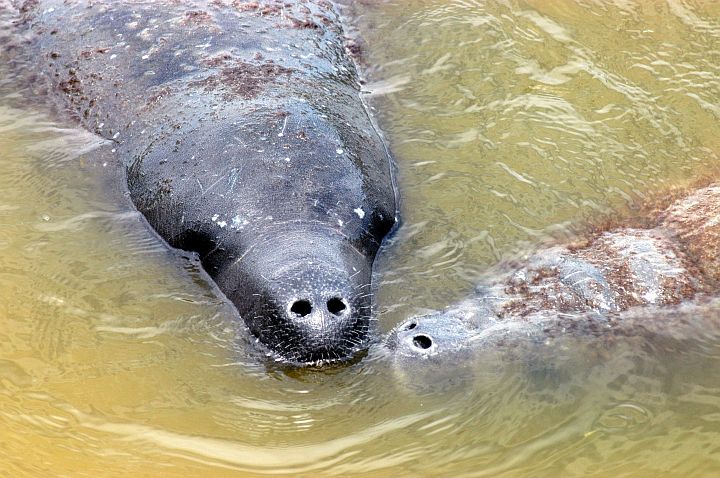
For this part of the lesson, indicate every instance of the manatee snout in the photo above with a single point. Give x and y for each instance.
(410, 339)
(306, 301)
(314, 317)
(426, 336)
(430, 353)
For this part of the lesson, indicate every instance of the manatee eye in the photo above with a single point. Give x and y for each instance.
(422, 341)
(336, 306)
(410, 325)
(301, 308)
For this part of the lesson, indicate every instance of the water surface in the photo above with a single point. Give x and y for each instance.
(510, 122)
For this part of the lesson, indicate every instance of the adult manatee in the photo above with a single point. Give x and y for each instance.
(627, 282)
(244, 139)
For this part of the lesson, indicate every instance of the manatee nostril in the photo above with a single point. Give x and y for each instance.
(422, 341)
(301, 308)
(410, 325)
(336, 306)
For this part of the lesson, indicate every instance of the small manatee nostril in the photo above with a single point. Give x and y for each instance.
(422, 341)
(301, 308)
(410, 325)
(336, 306)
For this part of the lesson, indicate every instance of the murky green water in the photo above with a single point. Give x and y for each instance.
(509, 121)
(512, 120)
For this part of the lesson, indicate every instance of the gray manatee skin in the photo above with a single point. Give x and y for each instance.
(244, 139)
(628, 282)
(564, 345)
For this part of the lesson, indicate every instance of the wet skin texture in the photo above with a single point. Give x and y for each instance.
(244, 139)
(626, 282)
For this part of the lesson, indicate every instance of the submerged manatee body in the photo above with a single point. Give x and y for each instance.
(546, 348)
(244, 139)
(628, 282)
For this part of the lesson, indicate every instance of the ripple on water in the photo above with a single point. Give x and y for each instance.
(512, 122)
(509, 121)
(529, 116)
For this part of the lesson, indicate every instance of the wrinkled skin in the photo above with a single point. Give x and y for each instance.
(627, 282)
(244, 139)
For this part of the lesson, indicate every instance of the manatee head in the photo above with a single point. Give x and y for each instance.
(452, 349)
(447, 332)
(319, 203)
(286, 207)
(431, 353)
(304, 294)
(420, 338)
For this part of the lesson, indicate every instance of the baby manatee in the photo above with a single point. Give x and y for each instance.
(625, 283)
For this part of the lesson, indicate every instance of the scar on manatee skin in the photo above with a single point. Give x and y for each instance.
(71, 86)
(271, 8)
(355, 49)
(245, 6)
(197, 17)
(218, 60)
(87, 54)
(242, 79)
(156, 97)
(303, 23)
(301, 17)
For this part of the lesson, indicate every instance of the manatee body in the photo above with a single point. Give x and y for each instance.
(245, 140)
(626, 282)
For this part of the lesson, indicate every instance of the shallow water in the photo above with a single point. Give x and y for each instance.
(509, 122)
(512, 121)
